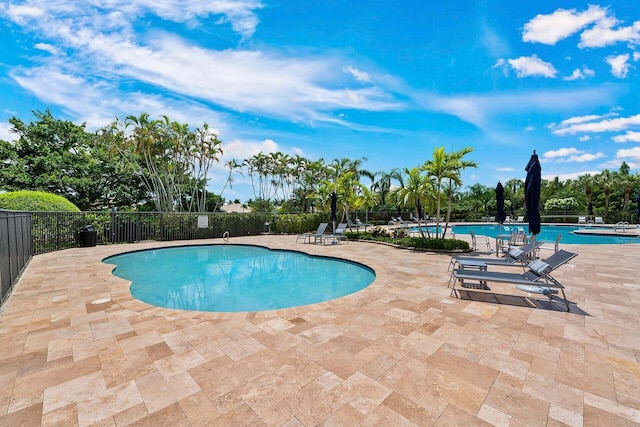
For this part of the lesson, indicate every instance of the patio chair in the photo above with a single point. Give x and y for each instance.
(362, 224)
(537, 279)
(351, 225)
(317, 236)
(474, 242)
(514, 257)
(336, 236)
(520, 219)
(598, 220)
(582, 220)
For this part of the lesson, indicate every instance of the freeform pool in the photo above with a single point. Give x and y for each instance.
(234, 278)
(548, 233)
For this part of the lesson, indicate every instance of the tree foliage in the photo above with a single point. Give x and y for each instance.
(35, 201)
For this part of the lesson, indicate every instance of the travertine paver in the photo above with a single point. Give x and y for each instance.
(401, 352)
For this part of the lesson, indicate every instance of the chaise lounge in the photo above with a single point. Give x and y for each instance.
(317, 236)
(537, 279)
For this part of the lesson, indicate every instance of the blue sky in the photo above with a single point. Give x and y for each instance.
(384, 80)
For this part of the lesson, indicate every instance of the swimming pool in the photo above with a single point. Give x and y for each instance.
(548, 233)
(235, 278)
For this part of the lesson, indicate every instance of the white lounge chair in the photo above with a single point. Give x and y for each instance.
(337, 235)
(317, 236)
(537, 279)
(582, 220)
(598, 220)
(520, 219)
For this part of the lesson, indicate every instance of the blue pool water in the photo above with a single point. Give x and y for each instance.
(548, 233)
(233, 278)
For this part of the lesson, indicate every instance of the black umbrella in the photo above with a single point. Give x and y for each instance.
(590, 208)
(532, 194)
(334, 209)
(638, 208)
(501, 215)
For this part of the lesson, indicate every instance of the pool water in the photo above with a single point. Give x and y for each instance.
(235, 278)
(548, 233)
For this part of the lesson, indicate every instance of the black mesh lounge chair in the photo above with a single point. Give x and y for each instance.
(537, 279)
(516, 256)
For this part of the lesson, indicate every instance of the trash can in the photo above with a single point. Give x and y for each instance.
(88, 236)
(267, 227)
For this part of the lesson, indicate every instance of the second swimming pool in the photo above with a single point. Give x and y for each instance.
(548, 233)
(235, 278)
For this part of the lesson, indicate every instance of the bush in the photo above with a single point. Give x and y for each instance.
(566, 204)
(35, 201)
(412, 242)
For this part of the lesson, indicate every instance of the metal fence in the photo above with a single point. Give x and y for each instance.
(23, 234)
(15, 247)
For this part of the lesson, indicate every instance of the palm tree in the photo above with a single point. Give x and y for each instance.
(446, 166)
(456, 165)
(416, 191)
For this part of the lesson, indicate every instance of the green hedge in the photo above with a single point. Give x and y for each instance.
(297, 223)
(415, 242)
(35, 201)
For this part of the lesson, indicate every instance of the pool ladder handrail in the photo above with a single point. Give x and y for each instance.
(225, 236)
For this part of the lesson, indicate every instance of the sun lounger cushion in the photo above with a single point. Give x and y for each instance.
(516, 253)
(540, 267)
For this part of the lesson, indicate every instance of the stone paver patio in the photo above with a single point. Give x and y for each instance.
(401, 352)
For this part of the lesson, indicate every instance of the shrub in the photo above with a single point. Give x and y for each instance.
(566, 204)
(35, 201)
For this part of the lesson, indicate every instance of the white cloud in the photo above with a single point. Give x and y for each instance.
(607, 125)
(5, 133)
(584, 138)
(477, 109)
(22, 13)
(361, 76)
(630, 136)
(549, 29)
(505, 169)
(619, 65)
(529, 128)
(566, 176)
(580, 74)
(631, 156)
(636, 56)
(47, 48)
(603, 34)
(526, 66)
(100, 102)
(563, 152)
(565, 155)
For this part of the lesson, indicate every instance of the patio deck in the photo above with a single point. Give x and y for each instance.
(401, 352)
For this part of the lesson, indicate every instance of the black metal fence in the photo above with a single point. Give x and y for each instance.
(53, 231)
(15, 247)
(23, 234)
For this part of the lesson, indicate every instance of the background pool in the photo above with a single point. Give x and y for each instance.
(233, 278)
(548, 233)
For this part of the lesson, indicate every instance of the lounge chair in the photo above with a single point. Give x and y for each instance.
(598, 220)
(336, 236)
(393, 220)
(537, 279)
(362, 224)
(351, 225)
(317, 236)
(582, 220)
(474, 242)
(520, 219)
(556, 245)
(515, 256)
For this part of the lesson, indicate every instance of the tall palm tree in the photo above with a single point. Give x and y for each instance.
(416, 191)
(456, 165)
(446, 166)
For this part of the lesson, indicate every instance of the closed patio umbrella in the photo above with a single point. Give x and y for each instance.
(590, 208)
(334, 209)
(501, 215)
(638, 208)
(532, 194)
